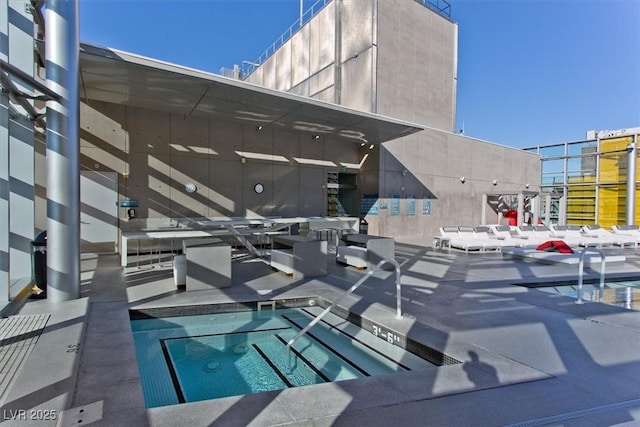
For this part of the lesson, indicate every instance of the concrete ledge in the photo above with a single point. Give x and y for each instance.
(558, 258)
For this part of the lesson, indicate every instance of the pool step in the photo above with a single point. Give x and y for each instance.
(390, 354)
(343, 347)
(301, 369)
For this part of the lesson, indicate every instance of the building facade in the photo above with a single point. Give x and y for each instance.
(399, 59)
(589, 182)
(353, 115)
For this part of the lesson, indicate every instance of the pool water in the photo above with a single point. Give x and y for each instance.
(624, 293)
(191, 358)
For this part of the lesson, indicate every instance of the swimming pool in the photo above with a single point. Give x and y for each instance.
(209, 356)
(623, 293)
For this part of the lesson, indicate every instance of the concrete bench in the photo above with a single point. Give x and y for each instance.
(378, 248)
(299, 256)
(180, 270)
(283, 260)
(208, 264)
(355, 256)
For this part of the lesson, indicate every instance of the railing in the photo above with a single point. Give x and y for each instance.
(249, 67)
(348, 292)
(581, 273)
(442, 7)
(244, 240)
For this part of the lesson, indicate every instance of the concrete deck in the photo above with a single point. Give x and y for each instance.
(528, 357)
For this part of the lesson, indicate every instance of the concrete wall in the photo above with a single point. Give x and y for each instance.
(306, 64)
(430, 164)
(417, 64)
(157, 153)
(399, 59)
(394, 57)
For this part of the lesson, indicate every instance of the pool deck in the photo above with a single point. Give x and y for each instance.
(527, 357)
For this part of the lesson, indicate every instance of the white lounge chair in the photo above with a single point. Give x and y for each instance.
(573, 236)
(543, 232)
(455, 241)
(630, 231)
(503, 232)
(479, 234)
(528, 232)
(605, 235)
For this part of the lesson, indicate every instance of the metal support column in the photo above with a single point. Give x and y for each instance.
(5, 278)
(631, 180)
(483, 219)
(562, 214)
(520, 209)
(547, 210)
(63, 151)
(535, 209)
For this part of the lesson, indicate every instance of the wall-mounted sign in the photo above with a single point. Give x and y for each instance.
(426, 205)
(369, 204)
(129, 203)
(394, 203)
(411, 205)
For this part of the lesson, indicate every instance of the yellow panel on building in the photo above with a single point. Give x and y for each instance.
(612, 195)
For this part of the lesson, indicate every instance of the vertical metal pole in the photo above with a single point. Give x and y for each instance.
(580, 276)
(301, 11)
(596, 210)
(562, 220)
(603, 266)
(63, 151)
(398, 291)
(5, 278)
(631, 180)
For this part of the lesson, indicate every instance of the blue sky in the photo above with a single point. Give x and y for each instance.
(529, 71)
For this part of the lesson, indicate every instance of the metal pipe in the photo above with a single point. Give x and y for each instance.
(63, 151)
(631, 180)
(581, 274)
(301, 11)
(562, 217)
(351, 290)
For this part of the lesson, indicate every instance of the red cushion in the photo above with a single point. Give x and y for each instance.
(555, 246)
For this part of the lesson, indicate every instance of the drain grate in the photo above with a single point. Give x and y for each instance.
(18, 336)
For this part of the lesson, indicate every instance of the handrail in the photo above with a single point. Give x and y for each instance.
(349, 291)
(581, 273)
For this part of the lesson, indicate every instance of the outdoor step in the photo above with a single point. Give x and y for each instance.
(346, 348)
(393, 353)
(293, 371)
